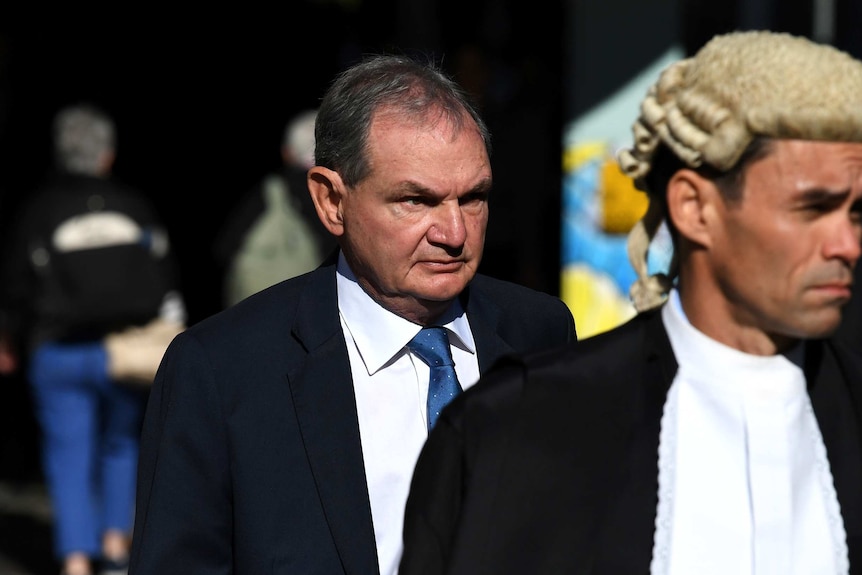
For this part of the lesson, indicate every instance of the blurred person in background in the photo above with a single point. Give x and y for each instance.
(274, 233)
(91, 300)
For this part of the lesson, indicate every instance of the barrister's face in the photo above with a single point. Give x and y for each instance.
(414, 229)
(781, 258)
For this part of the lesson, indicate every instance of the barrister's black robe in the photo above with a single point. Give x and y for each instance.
(549, 465)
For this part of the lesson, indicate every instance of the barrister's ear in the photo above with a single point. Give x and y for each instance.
(694, 205)
(327, 191)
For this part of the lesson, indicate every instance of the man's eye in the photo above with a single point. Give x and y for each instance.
(820, 208)
(474, 197)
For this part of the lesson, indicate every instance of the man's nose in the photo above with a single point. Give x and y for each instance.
(448, 227)
(846, 241)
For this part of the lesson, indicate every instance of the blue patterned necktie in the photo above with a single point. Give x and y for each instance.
(432, 346)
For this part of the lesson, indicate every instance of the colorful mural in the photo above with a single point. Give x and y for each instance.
(600, 206)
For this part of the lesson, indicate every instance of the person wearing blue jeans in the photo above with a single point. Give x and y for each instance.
(89, 300)
(90, 428)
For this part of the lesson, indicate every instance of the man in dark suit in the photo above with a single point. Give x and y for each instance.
(720, 430)
(281, 433)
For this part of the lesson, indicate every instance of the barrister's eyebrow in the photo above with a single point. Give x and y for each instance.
(821, 196)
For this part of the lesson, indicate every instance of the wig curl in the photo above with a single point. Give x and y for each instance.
(708, 108)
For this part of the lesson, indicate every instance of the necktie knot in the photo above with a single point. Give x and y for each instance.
(431, 344)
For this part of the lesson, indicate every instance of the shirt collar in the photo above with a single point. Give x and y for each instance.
(778, 375)
(380, 335)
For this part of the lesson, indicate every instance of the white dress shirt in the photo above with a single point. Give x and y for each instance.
(744, 482)
(391, 387)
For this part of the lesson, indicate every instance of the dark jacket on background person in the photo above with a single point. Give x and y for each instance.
(35, 292)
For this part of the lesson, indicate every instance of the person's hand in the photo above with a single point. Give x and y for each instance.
(135, 353)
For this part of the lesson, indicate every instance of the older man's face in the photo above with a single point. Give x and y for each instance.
(414, 229)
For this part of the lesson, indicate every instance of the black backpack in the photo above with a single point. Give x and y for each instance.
(100, 272)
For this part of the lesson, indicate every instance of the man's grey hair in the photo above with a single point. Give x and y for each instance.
(82, 135)
(418, 91)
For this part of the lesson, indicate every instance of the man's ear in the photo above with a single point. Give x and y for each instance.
(691, 202)
(327, 190)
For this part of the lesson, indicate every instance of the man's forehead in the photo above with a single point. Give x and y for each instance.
(389, 118)
(802, 165)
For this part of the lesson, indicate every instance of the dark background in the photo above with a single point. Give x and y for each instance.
(200, 110)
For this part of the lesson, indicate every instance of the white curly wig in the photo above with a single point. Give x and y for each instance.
(708, 108)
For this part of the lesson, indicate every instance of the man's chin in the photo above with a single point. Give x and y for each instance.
(440, 292)
(822, 326)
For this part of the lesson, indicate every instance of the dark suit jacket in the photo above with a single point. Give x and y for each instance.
(550, 465)
(251, 459)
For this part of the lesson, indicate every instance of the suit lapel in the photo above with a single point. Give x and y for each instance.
(322, 390)
(484, 317)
